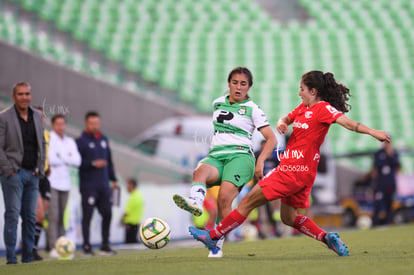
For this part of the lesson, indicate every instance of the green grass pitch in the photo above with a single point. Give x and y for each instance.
(388, 250)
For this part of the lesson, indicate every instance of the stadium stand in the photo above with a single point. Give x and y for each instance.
(189, 46)
(24, 34)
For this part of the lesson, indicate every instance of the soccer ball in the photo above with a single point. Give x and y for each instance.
(65, 247)
(154, 233)
(364, 222)
(249, 232)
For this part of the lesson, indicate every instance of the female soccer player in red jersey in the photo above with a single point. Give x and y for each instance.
(323, 102)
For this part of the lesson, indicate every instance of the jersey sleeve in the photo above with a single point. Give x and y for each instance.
(294, 112)
(329, 114)
(259, 118)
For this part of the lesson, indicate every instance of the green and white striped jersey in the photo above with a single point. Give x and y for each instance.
(234, 125)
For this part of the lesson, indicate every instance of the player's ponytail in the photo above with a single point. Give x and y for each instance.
(328, 89)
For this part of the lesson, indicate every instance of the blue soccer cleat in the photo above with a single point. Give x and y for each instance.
(204, 237)
(336, 244)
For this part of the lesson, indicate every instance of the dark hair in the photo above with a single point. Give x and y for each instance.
(58, 116)
(133, 182)
(91, 114)
(241, 70)
(328, 89)
(20, 84)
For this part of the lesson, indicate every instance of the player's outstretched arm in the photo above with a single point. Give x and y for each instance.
(363, 129)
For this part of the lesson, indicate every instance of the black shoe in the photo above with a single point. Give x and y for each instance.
(87, 250)
(36, 255)
(106, 251)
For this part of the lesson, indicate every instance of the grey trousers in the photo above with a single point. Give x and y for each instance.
(56, 210)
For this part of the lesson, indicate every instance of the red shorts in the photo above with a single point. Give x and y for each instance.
(293, 188)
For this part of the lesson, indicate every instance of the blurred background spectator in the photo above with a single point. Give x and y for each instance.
(63, 154)
(134, 209)
(95, 173)
(384, 173)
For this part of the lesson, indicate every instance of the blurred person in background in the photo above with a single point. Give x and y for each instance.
(22, 159)
(134, 210)
(324, 101)
(95, 172)
(384, 175)
(231, 162)
(63, 154)
(44, 194)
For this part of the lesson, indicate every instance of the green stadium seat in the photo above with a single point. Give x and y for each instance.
(189, 47)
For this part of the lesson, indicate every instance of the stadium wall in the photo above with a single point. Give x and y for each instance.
(59, 89)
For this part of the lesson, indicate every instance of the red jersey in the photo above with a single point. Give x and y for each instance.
(310, 126)
(293, 179)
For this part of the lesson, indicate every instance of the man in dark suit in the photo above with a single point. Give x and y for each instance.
(95, 172)
(22, 161)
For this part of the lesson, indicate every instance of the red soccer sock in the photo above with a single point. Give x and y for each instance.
(309, 227)
(230, 222)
